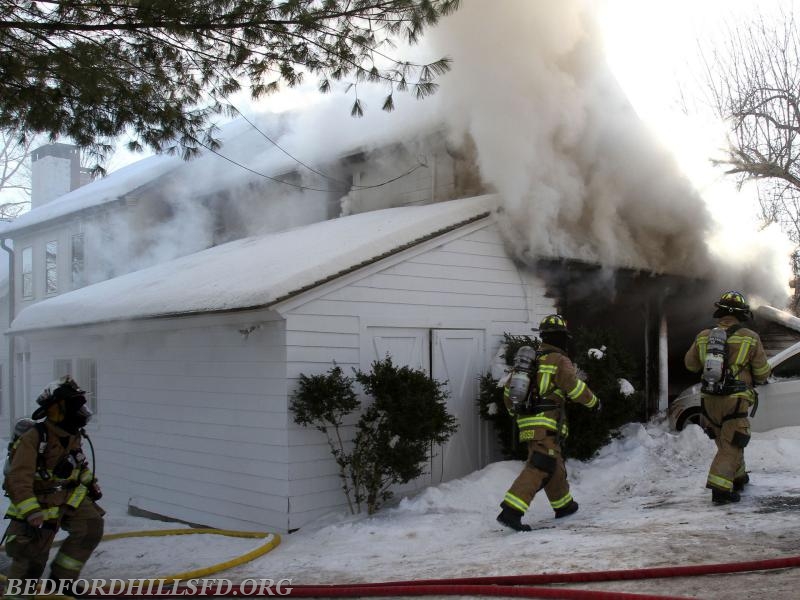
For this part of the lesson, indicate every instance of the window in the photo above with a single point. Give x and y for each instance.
(84, 372)
(78, 279)
(86, 376)
(51, 267)
(22, 380)
(27, 272)
(61, 367)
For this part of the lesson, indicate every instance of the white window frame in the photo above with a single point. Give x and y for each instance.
(27, 272)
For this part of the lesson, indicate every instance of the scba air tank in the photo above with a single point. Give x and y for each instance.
(520, 381)
(714, 366)
(518, 388)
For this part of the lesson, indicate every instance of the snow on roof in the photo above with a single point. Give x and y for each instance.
(100, 191)
(238, 138)
(781, 317)
(251, 272)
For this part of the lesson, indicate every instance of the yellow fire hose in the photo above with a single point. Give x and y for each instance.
(273, 540)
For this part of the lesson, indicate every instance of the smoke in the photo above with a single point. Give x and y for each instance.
(238, 191)
(579, 174)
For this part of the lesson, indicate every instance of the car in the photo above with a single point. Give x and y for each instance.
(778, 399)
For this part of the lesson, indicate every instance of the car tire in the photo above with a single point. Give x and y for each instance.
(690, 415)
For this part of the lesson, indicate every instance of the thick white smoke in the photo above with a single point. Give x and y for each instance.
(579, 174)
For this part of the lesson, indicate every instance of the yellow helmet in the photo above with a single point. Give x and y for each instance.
(552, 324)
(732, 303)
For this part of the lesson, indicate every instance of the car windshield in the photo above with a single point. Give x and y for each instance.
(788, 369)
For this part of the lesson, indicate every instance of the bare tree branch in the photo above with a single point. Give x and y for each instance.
(15, 173)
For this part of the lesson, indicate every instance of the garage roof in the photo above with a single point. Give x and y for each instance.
(253, 272)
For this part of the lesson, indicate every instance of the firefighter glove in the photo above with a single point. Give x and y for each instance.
(95, 493)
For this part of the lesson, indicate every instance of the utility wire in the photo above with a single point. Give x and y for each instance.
(304, 187)
(282, 149)
(348, 185)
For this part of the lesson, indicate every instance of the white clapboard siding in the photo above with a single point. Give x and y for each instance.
(467, 281)
(193, 420)
(192, 416)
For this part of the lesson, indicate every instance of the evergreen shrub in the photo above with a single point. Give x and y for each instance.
(393, 436)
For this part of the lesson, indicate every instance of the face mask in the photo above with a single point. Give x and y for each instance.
(77, 414)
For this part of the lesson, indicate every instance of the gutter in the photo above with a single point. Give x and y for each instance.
(11, 336)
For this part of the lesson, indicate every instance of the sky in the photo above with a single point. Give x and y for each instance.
(653, 48)
(643, 501)
(642, 504)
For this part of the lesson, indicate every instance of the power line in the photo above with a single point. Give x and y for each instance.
(304, 187)
(349, 185)
(282, 149)
(310, 168)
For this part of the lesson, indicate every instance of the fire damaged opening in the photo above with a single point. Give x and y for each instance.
(653, 314)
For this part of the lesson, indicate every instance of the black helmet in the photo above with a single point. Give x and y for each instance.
(553, 324)
(733, 303)
(61, 389)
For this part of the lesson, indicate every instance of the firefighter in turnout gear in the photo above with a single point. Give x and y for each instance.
(542, 424)
(50, 486)
(725, 406)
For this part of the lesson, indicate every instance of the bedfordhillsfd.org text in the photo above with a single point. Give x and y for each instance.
(149, 587)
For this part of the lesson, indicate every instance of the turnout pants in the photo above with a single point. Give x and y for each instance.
(727, 424)
(29, 547)
(543, 469)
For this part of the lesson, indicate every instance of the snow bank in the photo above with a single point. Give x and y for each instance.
(643, 503)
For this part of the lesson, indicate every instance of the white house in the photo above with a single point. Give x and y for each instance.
(161, 208)
(196, 359)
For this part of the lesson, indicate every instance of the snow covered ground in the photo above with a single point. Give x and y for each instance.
(643, 503)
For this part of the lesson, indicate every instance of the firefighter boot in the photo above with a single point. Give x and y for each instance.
(721, 497)
(740, 482)
(510, 517)
(567, 510)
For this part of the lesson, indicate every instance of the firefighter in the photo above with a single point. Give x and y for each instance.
(542, 424)
(50, 486)
(725, 412)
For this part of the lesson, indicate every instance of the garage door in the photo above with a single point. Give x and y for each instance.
(454, 356)
(408, 347)
(458, 359)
